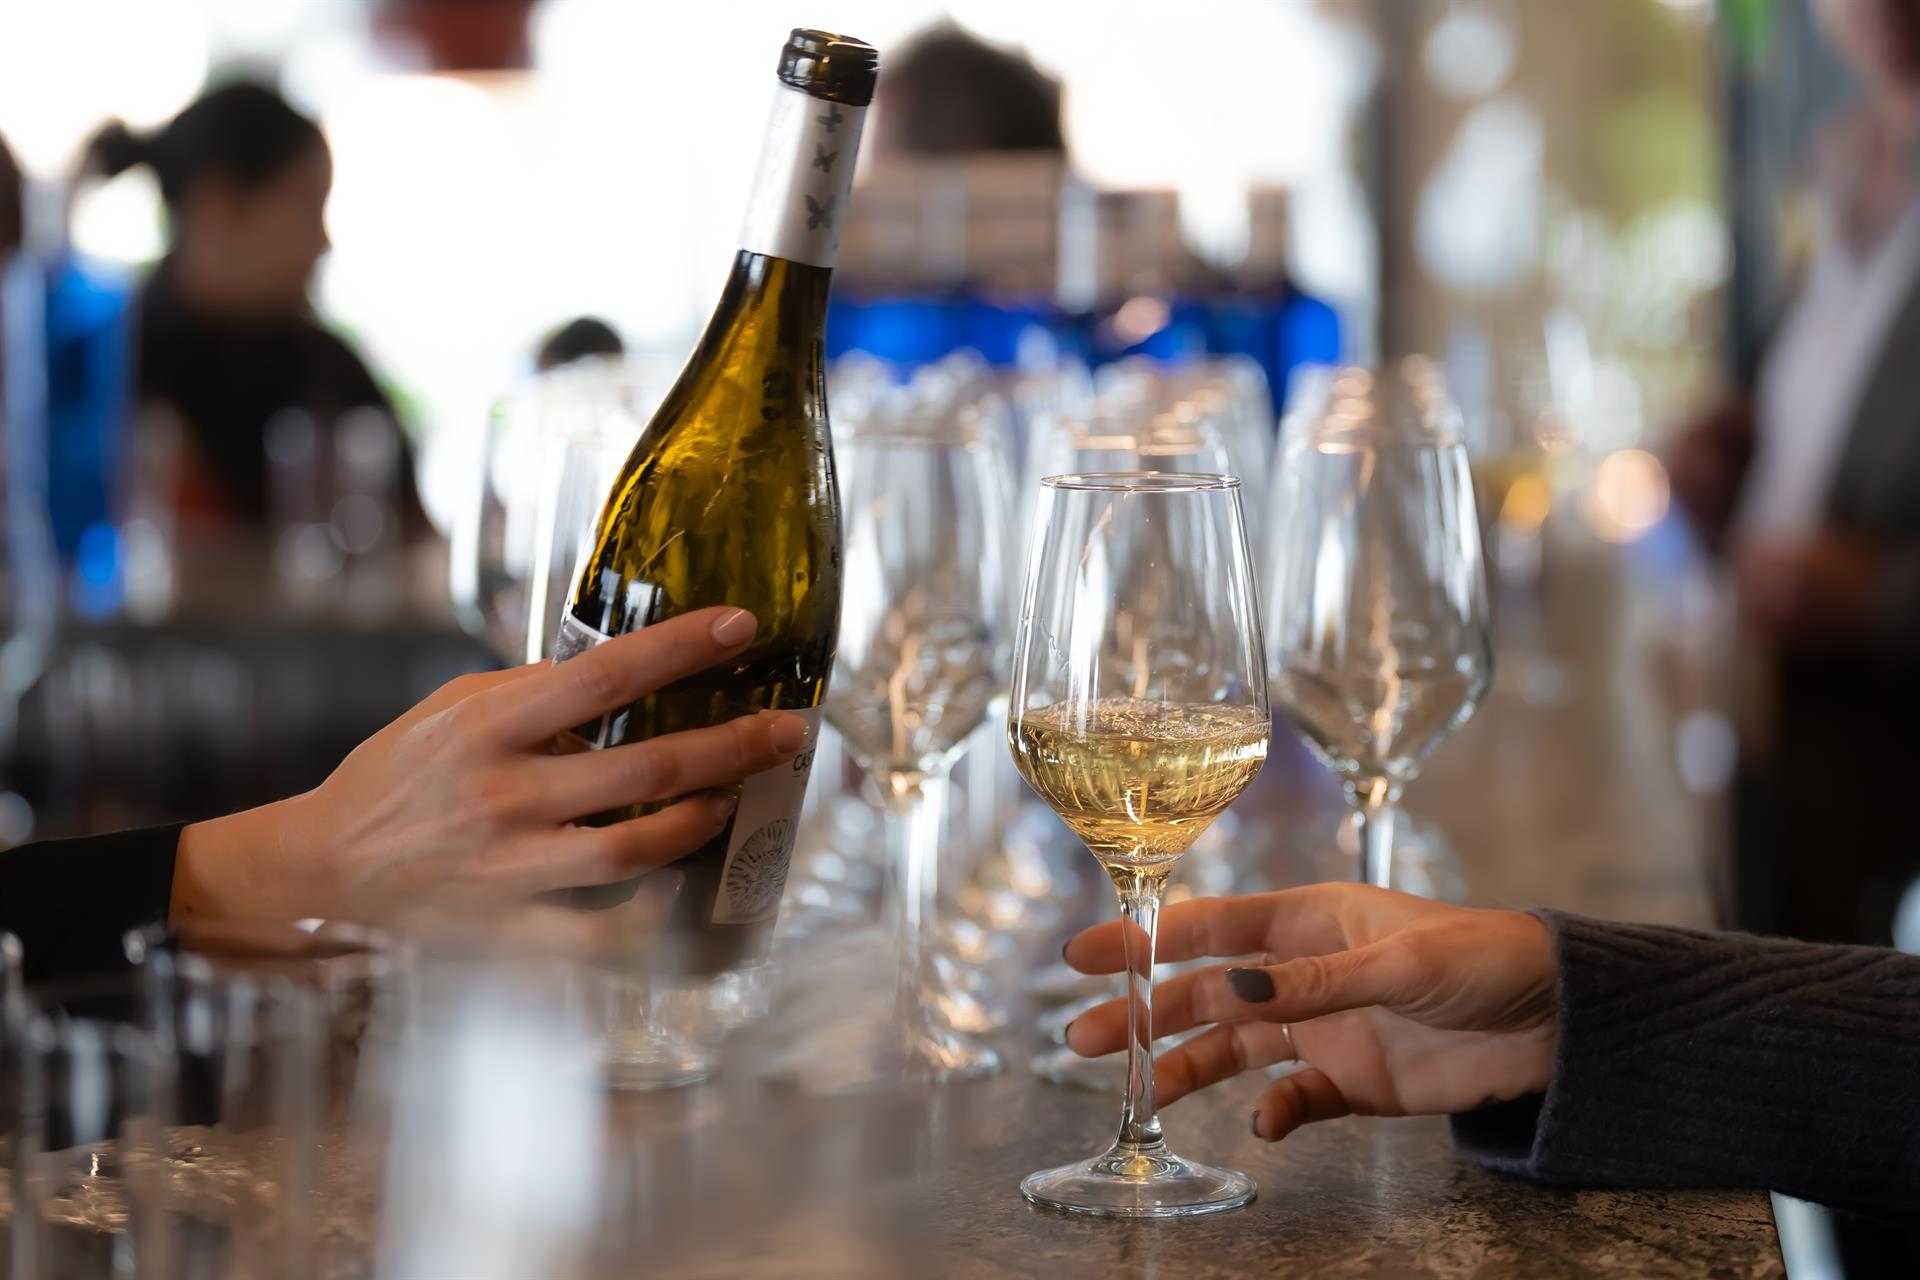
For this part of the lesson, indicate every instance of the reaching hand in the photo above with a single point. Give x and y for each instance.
(462, 802)
(1815, 594)
(1400, 1006)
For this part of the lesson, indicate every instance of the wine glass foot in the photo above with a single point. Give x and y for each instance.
(652, 1058)
(1139, 1182)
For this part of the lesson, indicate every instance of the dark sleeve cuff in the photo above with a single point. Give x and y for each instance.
(1698, 1059)
(1501, 1136)
(72, 901)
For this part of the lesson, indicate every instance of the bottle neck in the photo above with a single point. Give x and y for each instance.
(805, 179)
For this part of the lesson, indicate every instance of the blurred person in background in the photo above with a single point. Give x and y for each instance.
(227, 337)
(950, 93)
(578, 339)
(1809, 482)
(11, 231)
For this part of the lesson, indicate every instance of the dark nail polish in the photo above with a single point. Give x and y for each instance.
(1251, 985)
(1067, 1035)
(1255, 1124)
(1063, 950)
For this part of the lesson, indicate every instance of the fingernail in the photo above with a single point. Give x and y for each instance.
(1067, 1035)
(788, 734)
(722, 807)
(734, 628)
(1255, 1124)
(1063, 950)
(1251, 985)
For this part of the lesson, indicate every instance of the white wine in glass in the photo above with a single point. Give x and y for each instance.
(1138, 713)
(1138, 781)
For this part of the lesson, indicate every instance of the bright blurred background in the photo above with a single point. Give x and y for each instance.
(1558, 172)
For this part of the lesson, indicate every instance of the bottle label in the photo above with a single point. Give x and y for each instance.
(764, 827)
(575, 638)
(805, 178)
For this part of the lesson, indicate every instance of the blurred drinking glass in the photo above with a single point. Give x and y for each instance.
(575, 474)
(1139, 712)
(499, 1108)
(921, 657)
(500, 541)
(85, 1173)
(1377, 625)
(491, 539)
(169, 1123)
(355, 976)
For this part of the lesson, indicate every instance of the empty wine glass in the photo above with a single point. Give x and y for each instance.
(1377, 609)
(499, 544)
(1139, 712)
(922, 655)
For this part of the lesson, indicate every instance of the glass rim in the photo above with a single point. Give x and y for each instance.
(1144, 482)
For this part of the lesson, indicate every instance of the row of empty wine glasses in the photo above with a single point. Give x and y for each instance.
(1376, 620)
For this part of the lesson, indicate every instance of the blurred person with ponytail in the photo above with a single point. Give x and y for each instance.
(227, 337)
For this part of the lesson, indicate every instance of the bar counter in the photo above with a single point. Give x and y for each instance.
(1565, 796)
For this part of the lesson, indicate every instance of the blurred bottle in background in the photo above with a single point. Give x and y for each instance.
(974, 232)
(954, 241)
(1266, 314)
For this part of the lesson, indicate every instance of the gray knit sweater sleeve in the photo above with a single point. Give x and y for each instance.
(1721, 1059)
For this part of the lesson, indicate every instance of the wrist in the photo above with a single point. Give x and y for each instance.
(245, 865)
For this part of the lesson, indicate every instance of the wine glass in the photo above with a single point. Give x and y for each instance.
(1139, 711)
(922, 655)
(1377, 610)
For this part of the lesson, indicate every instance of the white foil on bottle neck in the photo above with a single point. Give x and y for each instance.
(805, 178)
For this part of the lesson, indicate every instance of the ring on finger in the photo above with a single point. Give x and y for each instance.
(1293, 1050)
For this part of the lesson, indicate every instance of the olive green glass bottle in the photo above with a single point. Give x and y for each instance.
(729, 498)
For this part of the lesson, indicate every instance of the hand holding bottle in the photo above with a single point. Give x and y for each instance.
(1400, 1006)
(463, 804)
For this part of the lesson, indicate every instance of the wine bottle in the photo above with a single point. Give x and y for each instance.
(729, 498)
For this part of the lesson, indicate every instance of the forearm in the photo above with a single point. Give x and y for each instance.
(1689, 1058)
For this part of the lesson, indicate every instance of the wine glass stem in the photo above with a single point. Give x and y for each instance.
(915, 808)
(1140, 901)
(1374, 820)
